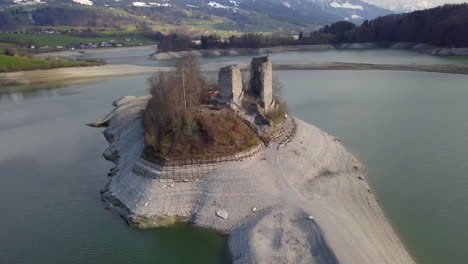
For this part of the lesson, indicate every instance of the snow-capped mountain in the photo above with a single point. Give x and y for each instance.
(407, 5)
(320, 10)
(334, 10)
(353, 10)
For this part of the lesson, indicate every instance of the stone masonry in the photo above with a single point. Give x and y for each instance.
(230, 84)
(261, 81)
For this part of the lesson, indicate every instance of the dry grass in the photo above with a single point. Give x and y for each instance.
(277, 115)
(212, 133)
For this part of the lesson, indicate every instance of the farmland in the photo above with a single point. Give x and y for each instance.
(11, 63)
(52, 40)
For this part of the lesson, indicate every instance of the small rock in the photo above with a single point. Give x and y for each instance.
(146, 204)
(310, 217)
(222, 213)
(185, 180)
(172, 185)
(254, 209)
(123, 100)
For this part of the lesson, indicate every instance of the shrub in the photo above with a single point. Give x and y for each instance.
(277, 115)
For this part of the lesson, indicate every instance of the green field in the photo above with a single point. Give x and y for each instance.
(53, 40)
(10, 64)
(4, 46)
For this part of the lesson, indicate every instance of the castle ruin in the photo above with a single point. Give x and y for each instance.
(261, 81)
(230, 84)
(260, 86)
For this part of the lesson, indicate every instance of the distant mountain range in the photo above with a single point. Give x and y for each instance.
(399, 6)
(205, 15)
(241, 15)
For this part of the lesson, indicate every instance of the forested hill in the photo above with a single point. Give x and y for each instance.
(445, 26)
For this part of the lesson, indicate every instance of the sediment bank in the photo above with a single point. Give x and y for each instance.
(73, 73)
(75, 54)
(239, 51)
(417, 47)
(65, 74)
(304, 202)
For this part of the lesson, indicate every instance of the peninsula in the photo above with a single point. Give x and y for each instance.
(284, 190)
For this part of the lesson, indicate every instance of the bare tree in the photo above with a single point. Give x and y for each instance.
(277, 87)
(175, 96)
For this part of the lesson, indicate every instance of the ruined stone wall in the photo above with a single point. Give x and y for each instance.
(261, 81)
(230, 84)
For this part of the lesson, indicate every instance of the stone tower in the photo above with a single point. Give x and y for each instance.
(261, 81)
(230, 84)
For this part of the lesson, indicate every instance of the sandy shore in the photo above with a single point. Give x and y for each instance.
(74, 54)
(73, 73)
(65, 74)
(313, 175)
(240, 51)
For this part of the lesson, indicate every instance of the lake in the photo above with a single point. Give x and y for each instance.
(377, 56)
(409, 128)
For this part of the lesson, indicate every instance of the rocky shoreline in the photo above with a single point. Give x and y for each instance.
(304, 202)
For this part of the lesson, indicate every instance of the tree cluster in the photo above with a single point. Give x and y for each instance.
(442, 26)
(179, 125)
(12, 19)
(63, 16)
(176, 42)
(169, 114)
(445, 26)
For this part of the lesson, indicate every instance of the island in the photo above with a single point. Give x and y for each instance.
(227, 156)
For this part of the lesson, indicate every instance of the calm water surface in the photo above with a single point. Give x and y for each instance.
(378, 56)
(51, 170)
(410, 128)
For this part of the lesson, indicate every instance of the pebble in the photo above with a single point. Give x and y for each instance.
(222, 214)
(311, 217)
(254, 209)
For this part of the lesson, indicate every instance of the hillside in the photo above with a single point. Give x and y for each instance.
(445, 26)
(203, 15)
